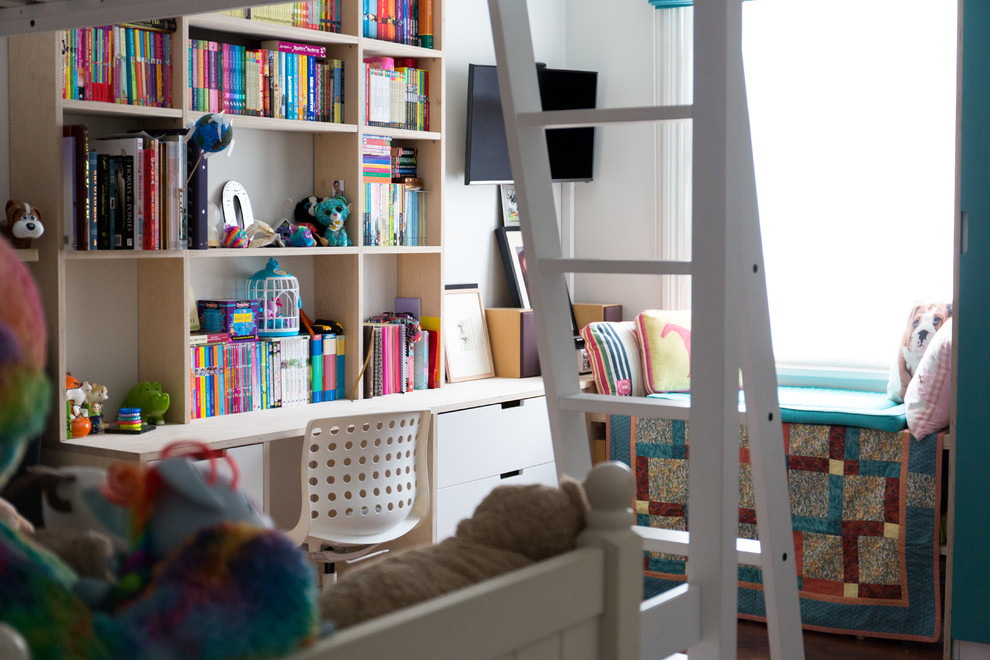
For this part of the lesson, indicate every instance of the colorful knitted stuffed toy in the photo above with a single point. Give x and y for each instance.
(35, 586)
(207, 578)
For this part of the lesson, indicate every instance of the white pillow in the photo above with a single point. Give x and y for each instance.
(928, 398)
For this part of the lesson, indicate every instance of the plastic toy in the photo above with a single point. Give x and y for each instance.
(148, 396)
(331, 213)
(22, 223)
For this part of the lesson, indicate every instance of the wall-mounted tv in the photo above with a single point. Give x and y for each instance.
(571, 150)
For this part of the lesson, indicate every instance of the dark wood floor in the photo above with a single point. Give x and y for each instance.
(753, 645)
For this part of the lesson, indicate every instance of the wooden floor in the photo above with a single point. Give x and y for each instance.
(822, 646)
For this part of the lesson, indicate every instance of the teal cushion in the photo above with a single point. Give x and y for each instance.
(822, 405)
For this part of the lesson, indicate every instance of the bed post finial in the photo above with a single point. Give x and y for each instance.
(610, 489)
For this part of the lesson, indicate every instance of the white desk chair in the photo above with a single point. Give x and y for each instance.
(365, 481)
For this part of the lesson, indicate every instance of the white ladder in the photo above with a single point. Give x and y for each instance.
(730, 330)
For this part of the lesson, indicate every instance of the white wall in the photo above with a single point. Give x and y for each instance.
(472, 213)
(616, 214)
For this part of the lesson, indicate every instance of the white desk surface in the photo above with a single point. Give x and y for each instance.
(269, 425)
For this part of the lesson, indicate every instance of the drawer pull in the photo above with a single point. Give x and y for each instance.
(507, 475)
(511, 404)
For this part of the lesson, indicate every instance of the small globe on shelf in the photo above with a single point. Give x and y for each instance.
(213, 133)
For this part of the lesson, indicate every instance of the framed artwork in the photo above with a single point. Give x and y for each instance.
(510, 212)
(510, 245)
(465, 336)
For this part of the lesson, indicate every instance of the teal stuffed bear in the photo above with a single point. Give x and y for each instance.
(148, 396)
(331, 213)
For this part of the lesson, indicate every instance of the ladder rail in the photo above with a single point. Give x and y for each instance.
(725, 228)
(613, 266)
(519, 91)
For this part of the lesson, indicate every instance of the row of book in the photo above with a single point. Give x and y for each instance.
(128, 191)
(397, 365)
(396, 97)
(282, 79)
(117, 64)
(321, 15)
(393, 208)
(400, 21)
(394, 214)
(228, 377)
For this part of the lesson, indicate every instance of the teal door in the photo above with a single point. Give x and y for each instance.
(971, 435)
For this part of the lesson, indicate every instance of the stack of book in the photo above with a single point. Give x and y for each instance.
(119, 64)
(228, 377)
(403, 162)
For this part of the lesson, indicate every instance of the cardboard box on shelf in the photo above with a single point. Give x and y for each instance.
(513, 339)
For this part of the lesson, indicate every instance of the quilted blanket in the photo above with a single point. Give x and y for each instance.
(865, 510)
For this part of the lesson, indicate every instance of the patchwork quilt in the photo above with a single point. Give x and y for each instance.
(865, 509)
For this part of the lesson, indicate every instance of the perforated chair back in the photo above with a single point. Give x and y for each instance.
(366, 478)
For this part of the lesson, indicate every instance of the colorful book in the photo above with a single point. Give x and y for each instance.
(316, 367)
(294, 48)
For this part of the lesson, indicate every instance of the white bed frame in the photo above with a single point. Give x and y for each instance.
(581, 605)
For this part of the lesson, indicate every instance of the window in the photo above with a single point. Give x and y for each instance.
(852, 109)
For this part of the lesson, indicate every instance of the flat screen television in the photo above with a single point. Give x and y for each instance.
(571, 150)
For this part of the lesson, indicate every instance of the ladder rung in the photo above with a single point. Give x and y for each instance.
(625, 405)
(621, 266)
(675, 542)
(599, 116)
(671, 621)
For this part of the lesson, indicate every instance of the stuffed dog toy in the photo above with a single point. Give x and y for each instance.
(923, 322)
(22, 224)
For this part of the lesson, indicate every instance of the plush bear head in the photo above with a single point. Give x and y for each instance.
(22, 223)
(534, 520)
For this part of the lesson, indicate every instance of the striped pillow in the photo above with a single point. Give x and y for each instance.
(614, 354)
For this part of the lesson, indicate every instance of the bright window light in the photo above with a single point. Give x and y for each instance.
(852, 109)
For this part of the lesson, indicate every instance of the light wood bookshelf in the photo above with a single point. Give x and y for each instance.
(144, 331)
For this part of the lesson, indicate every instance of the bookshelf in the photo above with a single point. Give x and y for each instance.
(119, 317)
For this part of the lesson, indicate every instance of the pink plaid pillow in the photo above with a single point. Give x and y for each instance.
(928, 398)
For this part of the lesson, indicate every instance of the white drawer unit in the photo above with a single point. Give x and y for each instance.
(481, 448)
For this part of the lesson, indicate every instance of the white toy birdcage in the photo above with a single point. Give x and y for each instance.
(277, 293)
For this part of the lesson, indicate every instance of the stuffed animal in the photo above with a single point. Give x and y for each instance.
(302, 236)
(35, 585)
(922, 323)
(205, 560)
(22, 223)
(331, 213)
(234, 237)
(228, 589)
(304, 215)
(512, 527)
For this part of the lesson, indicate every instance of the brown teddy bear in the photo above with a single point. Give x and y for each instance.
(512, 527)
(22, 223)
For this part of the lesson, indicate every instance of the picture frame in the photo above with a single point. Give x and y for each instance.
(510, 210)
(510, 245)
(465, 336)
